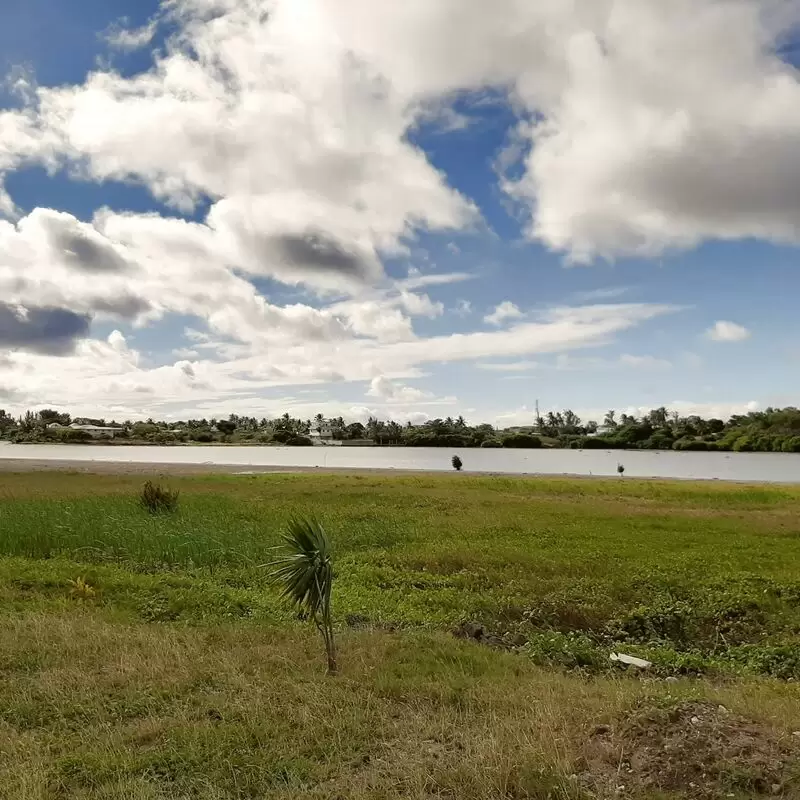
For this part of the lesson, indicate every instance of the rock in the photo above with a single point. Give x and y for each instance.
(470, 630)
(632, 661)
(671, 679)
(722, 709)
(695, 720)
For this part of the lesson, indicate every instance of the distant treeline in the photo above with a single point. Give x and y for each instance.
(772, 430)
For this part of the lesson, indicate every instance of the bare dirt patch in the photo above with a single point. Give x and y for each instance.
(696, 750)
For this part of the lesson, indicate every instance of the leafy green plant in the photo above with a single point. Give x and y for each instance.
(305, 574)
(457, 463)
(158, 500)
(566, 650)
(81, 590)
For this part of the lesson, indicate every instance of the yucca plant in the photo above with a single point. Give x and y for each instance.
(305, 575)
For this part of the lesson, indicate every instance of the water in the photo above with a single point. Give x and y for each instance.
(757, 467)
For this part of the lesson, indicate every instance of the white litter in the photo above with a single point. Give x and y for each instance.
(633, 661)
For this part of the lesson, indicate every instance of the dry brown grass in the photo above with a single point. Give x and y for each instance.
(92, 709)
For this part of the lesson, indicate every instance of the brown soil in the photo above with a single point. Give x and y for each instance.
(691, 750)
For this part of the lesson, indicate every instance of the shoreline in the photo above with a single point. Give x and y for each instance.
(23, 465)
(176, 468)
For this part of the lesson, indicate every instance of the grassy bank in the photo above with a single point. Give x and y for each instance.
(181, 675)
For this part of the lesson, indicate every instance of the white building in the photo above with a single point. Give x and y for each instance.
(96, 431)
(321, 431)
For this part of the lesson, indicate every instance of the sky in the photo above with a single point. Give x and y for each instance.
(408, 210)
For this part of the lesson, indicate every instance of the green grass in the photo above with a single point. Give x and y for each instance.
(185, 676)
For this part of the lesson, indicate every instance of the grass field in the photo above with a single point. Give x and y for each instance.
(181, 675)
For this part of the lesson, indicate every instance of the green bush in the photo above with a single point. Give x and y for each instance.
(300, 441)
(522, 440)
(157, 500)
(74, 436)
(694, 444)
(491, 443)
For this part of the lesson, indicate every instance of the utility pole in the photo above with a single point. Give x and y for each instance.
(538, 418)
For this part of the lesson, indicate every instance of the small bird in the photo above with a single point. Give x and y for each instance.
(620, 469)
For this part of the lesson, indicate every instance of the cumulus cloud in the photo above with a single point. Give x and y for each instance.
(54, 331)
(285, 125)
(310, 175)
(109, 374)
(725, 331)
(392, 392)
(502, 313)
(637, 136)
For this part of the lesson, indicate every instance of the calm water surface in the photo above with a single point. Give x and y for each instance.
(767, 467)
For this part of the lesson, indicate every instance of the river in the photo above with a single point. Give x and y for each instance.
(757, 467)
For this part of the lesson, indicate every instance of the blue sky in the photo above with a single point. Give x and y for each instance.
(215, 206)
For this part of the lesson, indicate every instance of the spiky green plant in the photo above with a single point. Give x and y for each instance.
(305, 575)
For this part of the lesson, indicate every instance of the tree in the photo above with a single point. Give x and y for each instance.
(356, 431)
(29, 422)
(571, 422)
(305, 574)
(226, 427)
(658, 417)
(457, 463)
(48, 416)
(609, 421)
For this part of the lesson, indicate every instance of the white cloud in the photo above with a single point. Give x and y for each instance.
(636, 148)
(508, 366)
(420, 305)
(390, 392)
(503, 312)
(311, 174)
(416, 280)
(724, 331)
(124, 38)
(293, 126)
(393, 393)
(295, 352)
(642, 129)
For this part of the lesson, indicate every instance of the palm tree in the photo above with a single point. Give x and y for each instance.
(305, 573)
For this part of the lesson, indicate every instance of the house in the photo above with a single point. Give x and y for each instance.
(96, 431)
(321, 431)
